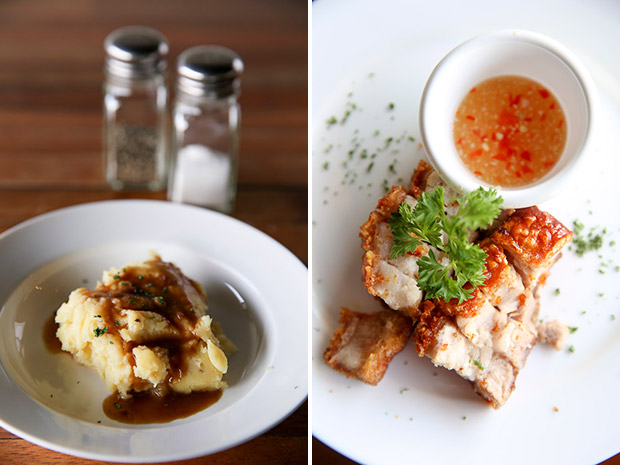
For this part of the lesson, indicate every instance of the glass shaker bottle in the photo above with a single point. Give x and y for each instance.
(206, 117)
(135, 135)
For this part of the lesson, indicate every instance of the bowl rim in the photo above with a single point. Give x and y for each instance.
(514, 197)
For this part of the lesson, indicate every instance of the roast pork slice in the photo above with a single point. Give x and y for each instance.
(395, 279)
(438, 337)
(365, 343)
(503, 286)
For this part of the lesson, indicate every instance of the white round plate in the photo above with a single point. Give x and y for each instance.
(370, 63)
(255, 287)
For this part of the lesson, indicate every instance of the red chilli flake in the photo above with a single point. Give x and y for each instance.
(560, 123)
(475, 153)
(527, 169)
(515, 100)
(500, 157)
(471, 118)
(544, 93)
(526, 155)
(552, 106)
(472, 91)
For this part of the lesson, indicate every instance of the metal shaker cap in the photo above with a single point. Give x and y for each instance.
(209, 71)
(135, 52)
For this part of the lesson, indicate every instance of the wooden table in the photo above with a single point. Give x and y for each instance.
(51, 58)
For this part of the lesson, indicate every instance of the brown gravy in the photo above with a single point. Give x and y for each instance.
(49, 335)
(148, 407)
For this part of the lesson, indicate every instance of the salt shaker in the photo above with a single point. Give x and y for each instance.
(205, 148)
(135, 134)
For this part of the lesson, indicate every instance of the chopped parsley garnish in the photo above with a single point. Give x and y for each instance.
(117, 405)
(557, 291)
(478, 364)
(571, 349)
(161, 300)
(191, 310)
(331, 121)
(391, 106)
(117, 323)
(572, 329)
(132, 301)
(117, 277)
(100, 331)
(140, 277)
(427, 222)
(585, 243)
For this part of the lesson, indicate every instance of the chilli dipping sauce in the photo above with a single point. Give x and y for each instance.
(509, 131)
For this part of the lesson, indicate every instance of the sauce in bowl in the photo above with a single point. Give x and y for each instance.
(509, 131)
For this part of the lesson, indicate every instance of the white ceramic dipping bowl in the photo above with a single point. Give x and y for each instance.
(507, 52)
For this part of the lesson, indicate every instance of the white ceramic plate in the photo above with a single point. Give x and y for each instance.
(256, 288)
(368, 55)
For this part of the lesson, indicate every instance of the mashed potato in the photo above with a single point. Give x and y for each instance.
(145, 327)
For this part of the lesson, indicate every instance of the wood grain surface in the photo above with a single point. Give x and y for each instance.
(51, 73)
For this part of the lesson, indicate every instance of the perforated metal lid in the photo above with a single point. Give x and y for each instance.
(209, 71)
(135, 52)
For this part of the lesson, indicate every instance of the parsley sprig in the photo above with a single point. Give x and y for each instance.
(427, 223)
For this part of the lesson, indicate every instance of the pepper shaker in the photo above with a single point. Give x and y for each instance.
(206, 114)
(135, 134)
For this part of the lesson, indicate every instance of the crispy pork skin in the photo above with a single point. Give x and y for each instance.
(532, 240)
(365, 343)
